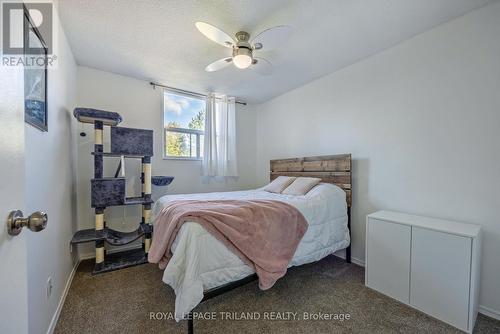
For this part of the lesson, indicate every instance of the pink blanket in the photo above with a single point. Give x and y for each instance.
(263, 233)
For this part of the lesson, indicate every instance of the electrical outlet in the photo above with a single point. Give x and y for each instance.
(49, 287)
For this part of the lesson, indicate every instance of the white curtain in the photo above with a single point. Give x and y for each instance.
(219, 152)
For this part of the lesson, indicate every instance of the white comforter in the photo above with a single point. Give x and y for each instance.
(201, 262)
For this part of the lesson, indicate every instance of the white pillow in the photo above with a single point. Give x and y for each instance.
(301, 186)
(279, 184)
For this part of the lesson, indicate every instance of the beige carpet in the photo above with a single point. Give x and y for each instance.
(121, 302)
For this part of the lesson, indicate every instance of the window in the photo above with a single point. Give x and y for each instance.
(184, 125)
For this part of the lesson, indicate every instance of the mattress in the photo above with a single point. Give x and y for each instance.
(201, 262)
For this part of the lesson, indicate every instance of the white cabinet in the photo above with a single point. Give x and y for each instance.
(429, 264)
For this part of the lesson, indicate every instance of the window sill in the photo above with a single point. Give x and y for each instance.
(182, 158)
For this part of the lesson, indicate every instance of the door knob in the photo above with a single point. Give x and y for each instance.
(36, 222)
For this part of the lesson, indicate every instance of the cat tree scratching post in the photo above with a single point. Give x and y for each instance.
(146, 193)
(110, 191)
(99, 212)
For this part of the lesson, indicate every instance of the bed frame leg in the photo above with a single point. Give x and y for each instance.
(190, 323)
(348, 249)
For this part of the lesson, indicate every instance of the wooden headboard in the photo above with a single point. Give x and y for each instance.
(334, 169)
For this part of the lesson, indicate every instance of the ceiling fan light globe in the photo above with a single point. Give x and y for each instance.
(242, 61)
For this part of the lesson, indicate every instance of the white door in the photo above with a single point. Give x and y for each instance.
(388, 258)
(440, 275)
(13, 251)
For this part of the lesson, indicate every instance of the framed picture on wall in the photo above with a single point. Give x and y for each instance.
(35, 76)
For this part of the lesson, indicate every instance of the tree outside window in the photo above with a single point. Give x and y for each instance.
(184, 125)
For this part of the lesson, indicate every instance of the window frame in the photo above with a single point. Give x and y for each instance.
(198, 133)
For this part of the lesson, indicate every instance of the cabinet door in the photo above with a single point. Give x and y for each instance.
(388, 258)
(440, 275)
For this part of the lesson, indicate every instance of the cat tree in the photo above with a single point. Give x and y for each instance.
(126, 143)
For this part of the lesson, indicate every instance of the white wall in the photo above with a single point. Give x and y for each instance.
(141, 107)
(50, 187)
(422, 121)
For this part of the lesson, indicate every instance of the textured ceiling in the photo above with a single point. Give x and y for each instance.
(157, 39)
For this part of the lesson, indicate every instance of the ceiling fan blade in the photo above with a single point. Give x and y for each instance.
(262, 66)
(218, 64)
(272, 37)
(215, 34)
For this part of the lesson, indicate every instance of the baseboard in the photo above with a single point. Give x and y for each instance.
(53, 322)
(354, 260)
(357, 261)
(489, 312)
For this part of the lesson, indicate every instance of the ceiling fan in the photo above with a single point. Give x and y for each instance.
(243, 48)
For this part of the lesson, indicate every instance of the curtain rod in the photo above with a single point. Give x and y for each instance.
(154, 84)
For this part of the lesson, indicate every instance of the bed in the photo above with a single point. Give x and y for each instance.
(202, 267)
